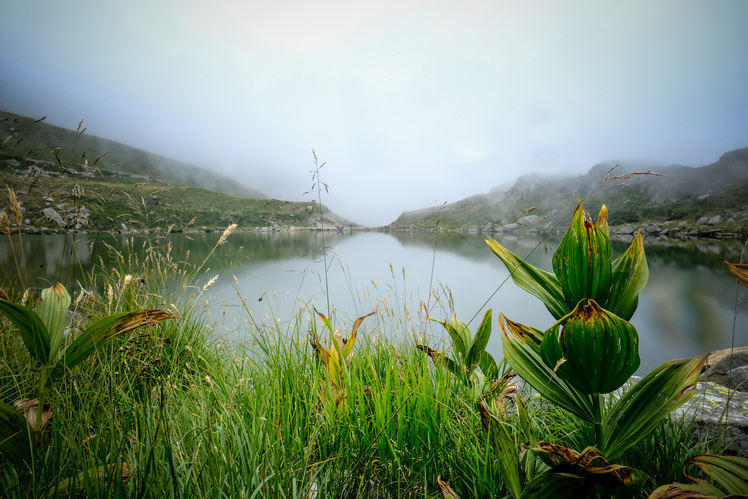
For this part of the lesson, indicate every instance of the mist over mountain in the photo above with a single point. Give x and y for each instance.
(68, 180)
(37, 139)
(711, 199)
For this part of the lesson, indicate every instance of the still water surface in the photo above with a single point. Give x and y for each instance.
(688, 306)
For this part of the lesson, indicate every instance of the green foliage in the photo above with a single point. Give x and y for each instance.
(42, 333)
(469, 353)
(729, 476)
(590, 351)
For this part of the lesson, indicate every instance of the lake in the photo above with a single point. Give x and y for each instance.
(688, 306)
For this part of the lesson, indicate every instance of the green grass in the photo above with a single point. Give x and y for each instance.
(190, 415)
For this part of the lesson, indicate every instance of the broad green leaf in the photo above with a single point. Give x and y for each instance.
(16, 438)
(630, 275)
(352, 339)
(594, 350)
(582, 262)
(104, 329)
(461, 336)
(33, 331)
(53, 311)
(535, 281)
(533, 337)
(488, 364)
(480, 340)
(508, 450)
(526, 361)
(646, 404)
(729, 472)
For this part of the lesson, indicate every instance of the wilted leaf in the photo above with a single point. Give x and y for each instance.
(447, 491)
(585, 470)
(30, 408)
(104, 329)
(680, 491)
(348, 349)
(739, 270)
(437, 356)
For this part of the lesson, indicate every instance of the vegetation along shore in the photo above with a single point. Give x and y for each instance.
(116, 384)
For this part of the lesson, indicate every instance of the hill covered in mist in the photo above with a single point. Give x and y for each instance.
(707, 200)
(66, 179)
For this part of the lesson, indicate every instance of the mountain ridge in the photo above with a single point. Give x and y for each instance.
(707, 200)
(64, 180)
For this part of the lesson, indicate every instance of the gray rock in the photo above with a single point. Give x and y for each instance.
(703, 220)
(718, 414)
(715, 220)
(624, 229)
(510, 227)
(528, 220)
(52, 214)
(728, 368)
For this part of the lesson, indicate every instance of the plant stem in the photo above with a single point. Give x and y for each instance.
(597, 403)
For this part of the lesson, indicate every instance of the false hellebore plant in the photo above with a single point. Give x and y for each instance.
(336, 359)
(43, 332)
(469, 353)
(592, 349)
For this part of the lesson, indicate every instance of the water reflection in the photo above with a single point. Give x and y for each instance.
(688, 306)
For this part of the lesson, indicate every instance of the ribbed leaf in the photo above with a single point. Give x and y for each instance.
(645, 405)
(526, 361)
(630, 275)
(461, 336)
(104, 329)
(595, 351)
(33, 331)
(480, 340)
(488, 364)
(53, 311)
(729, 472)
(681, 491)
(535, 281)
(582, 262)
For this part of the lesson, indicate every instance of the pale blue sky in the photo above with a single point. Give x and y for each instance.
(411, 103)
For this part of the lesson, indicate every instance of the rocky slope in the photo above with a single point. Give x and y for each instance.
(711, 200)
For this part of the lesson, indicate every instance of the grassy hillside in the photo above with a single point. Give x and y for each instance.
(65, 179)
(711, 200)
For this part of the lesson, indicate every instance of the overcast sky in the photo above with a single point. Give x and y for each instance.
(410, 103)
